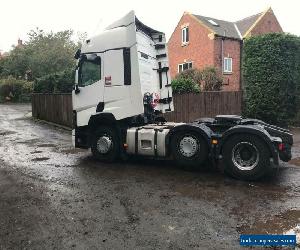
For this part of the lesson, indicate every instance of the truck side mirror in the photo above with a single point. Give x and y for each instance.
(77, 54)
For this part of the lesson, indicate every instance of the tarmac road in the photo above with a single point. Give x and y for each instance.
(55, 197)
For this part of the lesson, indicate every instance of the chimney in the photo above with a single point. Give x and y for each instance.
(20, 42)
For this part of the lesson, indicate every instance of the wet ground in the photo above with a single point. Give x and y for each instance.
(55, 197)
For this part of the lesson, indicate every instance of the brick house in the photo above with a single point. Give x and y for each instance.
(199, 41)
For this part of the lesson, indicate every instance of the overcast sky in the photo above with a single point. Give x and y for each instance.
(92, 16)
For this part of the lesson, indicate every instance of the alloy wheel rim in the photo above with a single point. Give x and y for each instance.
(245, 156)
(104, 144)
(188, 146)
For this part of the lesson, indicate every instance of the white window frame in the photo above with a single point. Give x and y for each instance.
(190, 66)
(184, 37)
(227, 67)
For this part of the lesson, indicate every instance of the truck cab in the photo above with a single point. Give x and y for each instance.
(121, 67)
(123, 88)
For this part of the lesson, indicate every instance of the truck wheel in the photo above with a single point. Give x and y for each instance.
(246, 157)
(105, 144)
(189, 149)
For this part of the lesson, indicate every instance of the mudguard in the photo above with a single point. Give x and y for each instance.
(101, 119)
(201, 129)
(253, 130)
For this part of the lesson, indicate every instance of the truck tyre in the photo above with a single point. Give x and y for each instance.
(105, 144)
(189, 149)
(246, 157)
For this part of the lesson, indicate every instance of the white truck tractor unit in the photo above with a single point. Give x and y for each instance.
(123, 88)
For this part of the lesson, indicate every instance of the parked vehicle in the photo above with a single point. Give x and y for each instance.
(122, 91)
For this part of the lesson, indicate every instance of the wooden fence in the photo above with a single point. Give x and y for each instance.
(57, 108)
(189, 107)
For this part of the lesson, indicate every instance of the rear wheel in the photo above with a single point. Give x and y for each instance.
(105, 144)
(189, 149)
(246, 157)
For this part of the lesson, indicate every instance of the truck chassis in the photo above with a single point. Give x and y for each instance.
(248, 148)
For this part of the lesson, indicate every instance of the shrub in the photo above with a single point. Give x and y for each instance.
(185, 85)
(61, 82)
(27, 90)
(12, 89)
(207, 79)
(194, 74)
(211, 79)
(271, 70)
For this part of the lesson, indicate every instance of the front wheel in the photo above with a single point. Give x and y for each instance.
(105, 144)
(246, 157)
(189, 149)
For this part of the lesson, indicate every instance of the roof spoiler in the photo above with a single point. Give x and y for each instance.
(129, 19)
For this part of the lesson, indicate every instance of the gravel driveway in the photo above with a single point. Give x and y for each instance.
(55, 197)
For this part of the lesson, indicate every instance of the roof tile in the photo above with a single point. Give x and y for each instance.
(229, 29)
(245, 24)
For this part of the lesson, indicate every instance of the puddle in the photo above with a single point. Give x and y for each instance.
(40, 159)
(30, 141)
(277, 224)
(46, 145)
(199, 192)
(72, 150)
(6, 132)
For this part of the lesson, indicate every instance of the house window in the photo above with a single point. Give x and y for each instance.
(184, 66)
(227, 65)
(185, 35)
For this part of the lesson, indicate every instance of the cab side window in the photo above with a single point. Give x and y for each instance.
(90, 72)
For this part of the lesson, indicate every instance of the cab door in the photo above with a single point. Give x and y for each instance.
(90, 88)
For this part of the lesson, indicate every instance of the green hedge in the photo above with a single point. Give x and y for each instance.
(271, 71)
(15, 90)
(61, 82)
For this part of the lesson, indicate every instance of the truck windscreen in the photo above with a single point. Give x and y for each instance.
(89, 70)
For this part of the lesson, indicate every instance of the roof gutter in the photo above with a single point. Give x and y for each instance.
(227, 37)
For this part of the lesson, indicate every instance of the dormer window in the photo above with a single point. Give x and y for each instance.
(185, 35)
(213, 22)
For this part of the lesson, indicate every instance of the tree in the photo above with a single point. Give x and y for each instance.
(271, 70)
(43, 54)
(15, 64)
